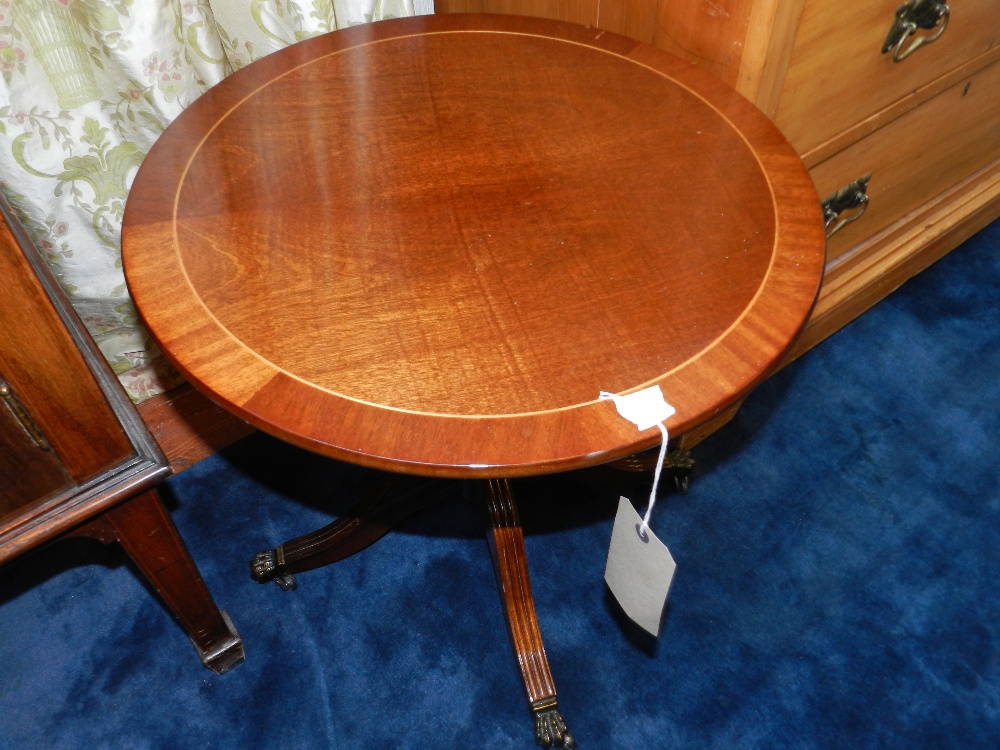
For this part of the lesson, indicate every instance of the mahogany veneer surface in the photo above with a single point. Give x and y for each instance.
(428, 244)
(42, 364)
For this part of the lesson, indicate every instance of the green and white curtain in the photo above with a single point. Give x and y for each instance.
(88, 86)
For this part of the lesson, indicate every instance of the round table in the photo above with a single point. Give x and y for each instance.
(427, 245)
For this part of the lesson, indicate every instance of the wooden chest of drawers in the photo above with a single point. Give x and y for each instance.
(926, 128)
(840, 85)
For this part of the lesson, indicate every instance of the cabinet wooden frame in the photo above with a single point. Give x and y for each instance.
(66, 415)
(135, 471)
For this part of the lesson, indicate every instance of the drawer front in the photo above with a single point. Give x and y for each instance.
(917, 156)
(838, 75)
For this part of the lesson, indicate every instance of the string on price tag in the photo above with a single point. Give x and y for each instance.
(640, 568)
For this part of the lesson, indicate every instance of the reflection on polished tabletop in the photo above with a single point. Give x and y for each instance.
(427, 245)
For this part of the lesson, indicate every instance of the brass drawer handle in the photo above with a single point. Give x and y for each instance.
(851, 197)
(13, 403)
(913, 15)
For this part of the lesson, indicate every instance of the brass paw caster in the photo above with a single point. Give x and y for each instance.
(550, 729)
(679, 466)
(266, 566)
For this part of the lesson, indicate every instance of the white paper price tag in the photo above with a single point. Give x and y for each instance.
(639, 570)
(644, 409)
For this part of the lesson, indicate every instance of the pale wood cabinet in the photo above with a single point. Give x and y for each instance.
(926, 128)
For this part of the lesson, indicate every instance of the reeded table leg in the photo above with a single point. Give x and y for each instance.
(391, 501)
(385, 507)
(146, 532)
(511, 566)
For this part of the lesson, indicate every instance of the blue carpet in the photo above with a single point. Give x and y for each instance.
(837, 586)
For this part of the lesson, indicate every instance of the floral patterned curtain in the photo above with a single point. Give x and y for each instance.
(88, 86)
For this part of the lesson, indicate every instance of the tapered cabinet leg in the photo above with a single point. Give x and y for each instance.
(511, 566)
(147, 533)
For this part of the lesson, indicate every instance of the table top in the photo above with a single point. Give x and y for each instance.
(427, 244)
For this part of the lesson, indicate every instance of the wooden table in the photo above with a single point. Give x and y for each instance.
(427, 245)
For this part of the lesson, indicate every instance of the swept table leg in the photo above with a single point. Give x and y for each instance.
(147, 533)
(511, 566)
(391, 501)
(677, 466)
